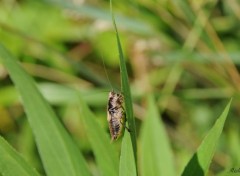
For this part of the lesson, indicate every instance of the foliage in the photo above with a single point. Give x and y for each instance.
(177, 65)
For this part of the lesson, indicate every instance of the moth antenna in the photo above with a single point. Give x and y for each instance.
(105, 70)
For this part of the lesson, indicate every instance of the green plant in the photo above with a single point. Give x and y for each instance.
(60, 155)
(62, 151)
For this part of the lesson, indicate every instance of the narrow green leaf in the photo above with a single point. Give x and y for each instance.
(126, 90)
(157, 158)
(127, 163)
(106, 156)
(11, 163)
(199, 163)
(58, 152)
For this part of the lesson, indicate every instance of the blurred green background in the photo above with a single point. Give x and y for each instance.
(185, 52)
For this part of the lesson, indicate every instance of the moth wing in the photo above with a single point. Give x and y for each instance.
(109, 117)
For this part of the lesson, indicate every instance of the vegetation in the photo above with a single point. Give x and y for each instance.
(176, 62)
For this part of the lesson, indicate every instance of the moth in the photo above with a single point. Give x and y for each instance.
(116, 115)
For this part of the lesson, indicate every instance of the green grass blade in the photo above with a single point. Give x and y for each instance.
(126, 91)
(157, 158)
(199, 163)
(11, 163)
(58, 152)
(106, 156)
(127, 163)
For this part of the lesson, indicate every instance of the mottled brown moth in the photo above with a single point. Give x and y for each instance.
(116, 115)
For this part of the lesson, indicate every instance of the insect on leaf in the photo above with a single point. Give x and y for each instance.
(126, 90)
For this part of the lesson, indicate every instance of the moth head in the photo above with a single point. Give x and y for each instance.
(111, 94)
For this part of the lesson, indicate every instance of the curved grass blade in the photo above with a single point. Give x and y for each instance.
(157, 158)
(200, 162)
(106, 156)
(126, 90)
(11, 163)
(127, 163)
(60, 155)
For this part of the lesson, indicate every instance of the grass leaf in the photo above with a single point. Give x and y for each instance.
(11, 163)
(126, 90)
(60, 155)
(157, 158)
(106, 156)
(200, 162)
(127, 163)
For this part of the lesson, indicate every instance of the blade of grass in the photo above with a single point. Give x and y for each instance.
(127, 163)
(11, 163)
(106, 156)
(157, 158)
(200, 162)
(58, 152)
(126, 89)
